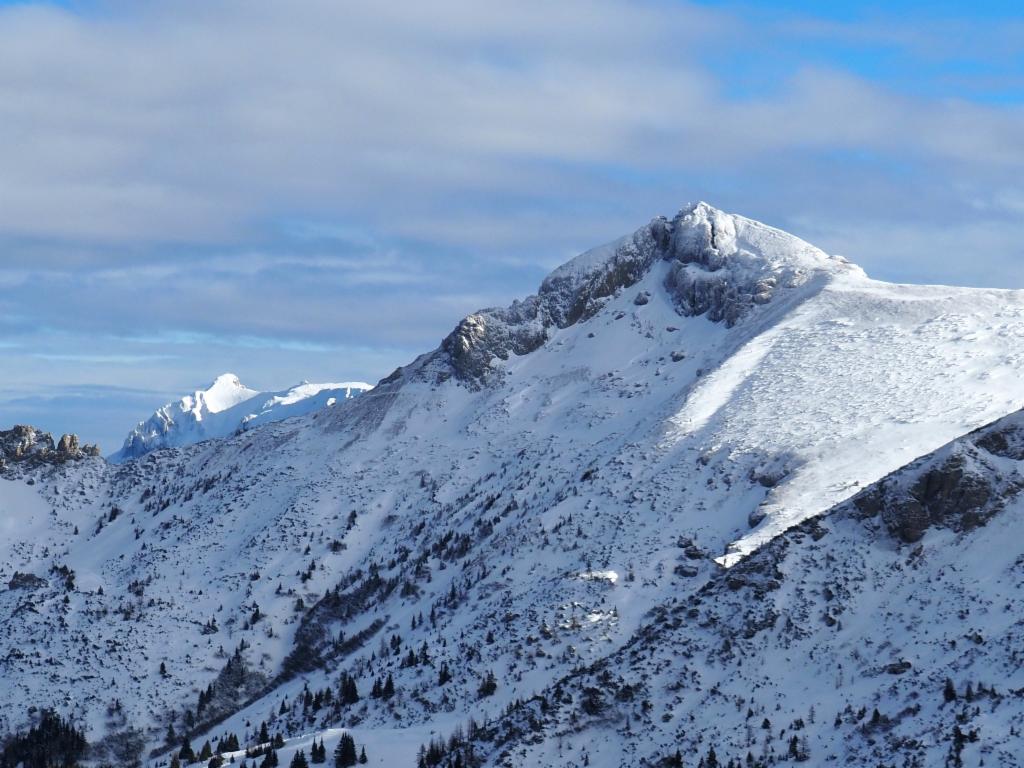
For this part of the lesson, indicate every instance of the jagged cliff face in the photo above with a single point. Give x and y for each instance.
(549, 476)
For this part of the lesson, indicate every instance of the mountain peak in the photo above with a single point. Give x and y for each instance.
(716, 264)
(226, 380)
(225, 392)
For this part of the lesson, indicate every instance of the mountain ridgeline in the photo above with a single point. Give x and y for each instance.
(225, 408)
(710, 497)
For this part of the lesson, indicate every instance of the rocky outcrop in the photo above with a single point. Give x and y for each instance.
(960, 487)
(576, 290)
(28, 581)
(68, 445)
(495, 333)
(28, 445)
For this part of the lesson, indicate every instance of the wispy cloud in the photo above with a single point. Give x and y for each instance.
(68, 357)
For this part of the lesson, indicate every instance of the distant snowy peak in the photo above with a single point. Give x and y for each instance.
(225, 392)
(716, 264)
(226, 407)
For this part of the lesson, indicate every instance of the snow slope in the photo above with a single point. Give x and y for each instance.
(224, 408)
(660, 409)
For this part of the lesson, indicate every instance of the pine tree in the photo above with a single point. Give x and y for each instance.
(949, 691)
(488, 685)
(299, 760)
(185, 754)
(349, 692)
(389, 688)
(206, 752)
(264, 733)
(318, 752)
(362, 756)
(53, 742)
(345, 752)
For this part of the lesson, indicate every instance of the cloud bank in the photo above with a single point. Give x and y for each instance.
(322, 189)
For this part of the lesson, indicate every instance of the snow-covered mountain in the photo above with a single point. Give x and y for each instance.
(226, 407)
(607, 522)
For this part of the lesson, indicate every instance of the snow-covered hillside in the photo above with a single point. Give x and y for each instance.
(524, 504)
(885, 632)
(224, 408)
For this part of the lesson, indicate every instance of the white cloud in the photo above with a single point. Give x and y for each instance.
(190, 121)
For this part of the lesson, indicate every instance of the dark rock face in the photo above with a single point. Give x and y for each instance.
(569, 295)
(565, 298)
(494, 333)
(26, 581)
(26, 444)
(1006, 443)
(700, 280)
(23, 441)
(959, 488)
(899, 667)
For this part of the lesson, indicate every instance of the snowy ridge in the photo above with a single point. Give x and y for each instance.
(515, 506)
(224, 408)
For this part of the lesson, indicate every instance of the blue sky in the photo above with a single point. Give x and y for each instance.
(321, 190)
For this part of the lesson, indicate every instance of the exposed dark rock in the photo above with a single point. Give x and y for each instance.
(26, 581)
(960, 487)
(949, 494)
(1007, 443)
(494, 334)
(899, 667)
